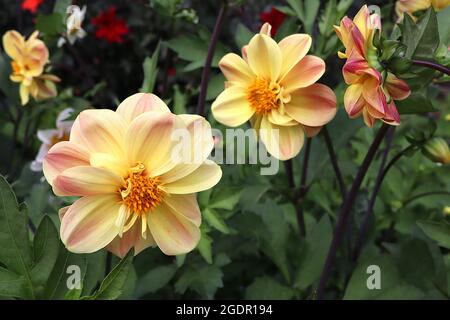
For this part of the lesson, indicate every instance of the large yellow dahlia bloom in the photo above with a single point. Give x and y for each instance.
(372, 90)
(29, 58)
(134, 191)
(273, 86)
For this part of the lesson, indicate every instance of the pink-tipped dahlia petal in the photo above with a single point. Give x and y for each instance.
(397, 88)
(313, 106)
(305, 73)
(138, 103)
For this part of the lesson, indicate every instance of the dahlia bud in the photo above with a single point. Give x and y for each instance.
(437, 150)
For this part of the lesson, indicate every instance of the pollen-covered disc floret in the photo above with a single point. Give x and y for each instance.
(263, 95)
(141, 193)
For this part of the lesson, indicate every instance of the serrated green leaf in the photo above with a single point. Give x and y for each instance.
(61, 6)
(50, 25)
(242, 36)
(415, 103)
(265, 288)
(213, 218)
(328, 18)
(438, 231)
(112, 286)
(155, 279)
(150, 71)
(12, 285)
(205, 281)
(16, 250)
(318, 241)
(204, 247)
(46, 247)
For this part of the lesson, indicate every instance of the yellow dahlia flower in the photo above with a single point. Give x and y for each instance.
(28, 60)
(134, 192)
(411, 6)
(273, 86)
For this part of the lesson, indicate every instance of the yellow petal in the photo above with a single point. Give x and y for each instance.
(87, 181)
(235, 69)
(62, 156)
(204, 177)
(231, 107)
(149, 140)
(13, 43)
(132, 238)
(194, 151)
(89, 223)
(100, 130)
(305, 73)
(173, 233)
(293, 49)
(138, 103)
(185, 205)
(281, 142)
(107, 161)
(264, 57)
(313, 106)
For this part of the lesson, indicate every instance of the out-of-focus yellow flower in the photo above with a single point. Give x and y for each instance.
(29, 58)
(447, 117)
(446, 211)
(134, 191)
(273, 86)
(411, 6)
(371, 90)
(437, 150)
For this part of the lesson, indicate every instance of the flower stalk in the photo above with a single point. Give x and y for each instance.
(432, 65)
(346, 210)
(209, 57)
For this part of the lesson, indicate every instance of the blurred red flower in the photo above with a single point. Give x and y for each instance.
(109, 26)
(274, 17)
(31, 5)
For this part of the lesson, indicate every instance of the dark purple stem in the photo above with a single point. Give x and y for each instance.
(432, 65)
(334, 162)
(346, 210)
(369, 212)
(209, 57)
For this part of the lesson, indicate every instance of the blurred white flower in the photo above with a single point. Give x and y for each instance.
(75, 17)
(51, 137)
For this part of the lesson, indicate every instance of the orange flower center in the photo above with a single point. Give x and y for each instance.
(263, 95)
(141, 193)
(15, 67)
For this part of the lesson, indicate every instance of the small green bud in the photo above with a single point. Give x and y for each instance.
(437, 150)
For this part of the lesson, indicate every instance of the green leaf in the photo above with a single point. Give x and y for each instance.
(443, 18)
(52, 24)
(216, 85)
(204, 246)
(46, 248)
(205, 281)
(179, 101)
(242, 36)
(415, 103)
(318, 241)
(56, 287)
(438, 231)
(213, 218)
(392, 286)
(11, 284)
(112, 286)
(16, 250)
(61, 6)
(150, 71)
(265, 288)
(9, 88)
(155, 279)
(328, 18)
(226, 199)
(422, 38)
